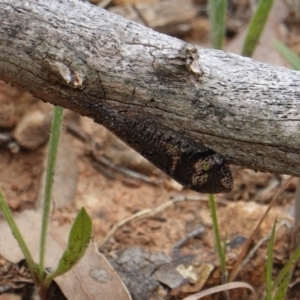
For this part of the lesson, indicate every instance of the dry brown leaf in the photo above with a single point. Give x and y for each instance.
(29, 225)
(92, 278)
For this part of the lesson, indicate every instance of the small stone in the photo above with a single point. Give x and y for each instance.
(15, 204)
(33, 129)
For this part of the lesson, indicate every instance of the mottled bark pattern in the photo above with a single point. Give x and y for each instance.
(189, 162)
(189, 110)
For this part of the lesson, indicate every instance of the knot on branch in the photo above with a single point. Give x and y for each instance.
(72, 76)
(192, 56)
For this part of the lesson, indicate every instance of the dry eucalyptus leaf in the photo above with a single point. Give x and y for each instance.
(28, 223)
(92, 278)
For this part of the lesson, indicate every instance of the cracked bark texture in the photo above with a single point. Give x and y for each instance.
(127, 77)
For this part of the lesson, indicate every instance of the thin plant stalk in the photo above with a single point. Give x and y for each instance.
(296, 236)
(18, 236)
(52, 154)
(256, 27)
(246, 246)
(270, 264)
(221, 253)
(294, 61)
(292, 58)
(217, 17)
(286, 269)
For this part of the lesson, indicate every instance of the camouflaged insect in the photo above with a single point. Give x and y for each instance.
(188, 162)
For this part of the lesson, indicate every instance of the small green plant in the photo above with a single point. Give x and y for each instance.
(270, 264)
(80, 233)
(289, 55)
(217, 17)
(257, 24)
(277, 290)
(217, 13)
(220, 249)
(281, 283)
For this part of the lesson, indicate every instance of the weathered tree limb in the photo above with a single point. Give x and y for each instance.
(153, 90)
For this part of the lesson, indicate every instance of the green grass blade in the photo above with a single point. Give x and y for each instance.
(52, 154)
(221, 253)
(286, 269)
(18, 236)
(292, 58)
(217, 16)
(282, 289)
(256, 26)
(79, 238)
(270, 264)
(282, 281)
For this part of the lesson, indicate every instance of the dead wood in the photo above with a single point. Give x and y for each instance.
(150, 89)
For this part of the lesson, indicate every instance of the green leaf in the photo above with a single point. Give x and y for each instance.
(282, 289)
(282, 281)
(256, 26)
(52, 154)
(33, 267)
(284, 273)
(270, 264)
(217, 17)
(79, 238)
(220, 250)
(288, 54)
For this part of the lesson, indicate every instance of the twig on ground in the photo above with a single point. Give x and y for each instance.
(7, 141)
(222, 288)
(94, 147)
(104, 3)
(125, 171)
(203, 197)
(147, 213)
(195, 233)
(83, 136)
(271, 186)
(237, 265)
(257, 246)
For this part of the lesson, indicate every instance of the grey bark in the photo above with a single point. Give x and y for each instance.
(122, 75)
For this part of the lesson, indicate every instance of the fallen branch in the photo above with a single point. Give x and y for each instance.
(190, 111)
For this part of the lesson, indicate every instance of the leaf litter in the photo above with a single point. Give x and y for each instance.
(110, 201)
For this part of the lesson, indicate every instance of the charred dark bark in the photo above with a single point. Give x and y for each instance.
(189, 110)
